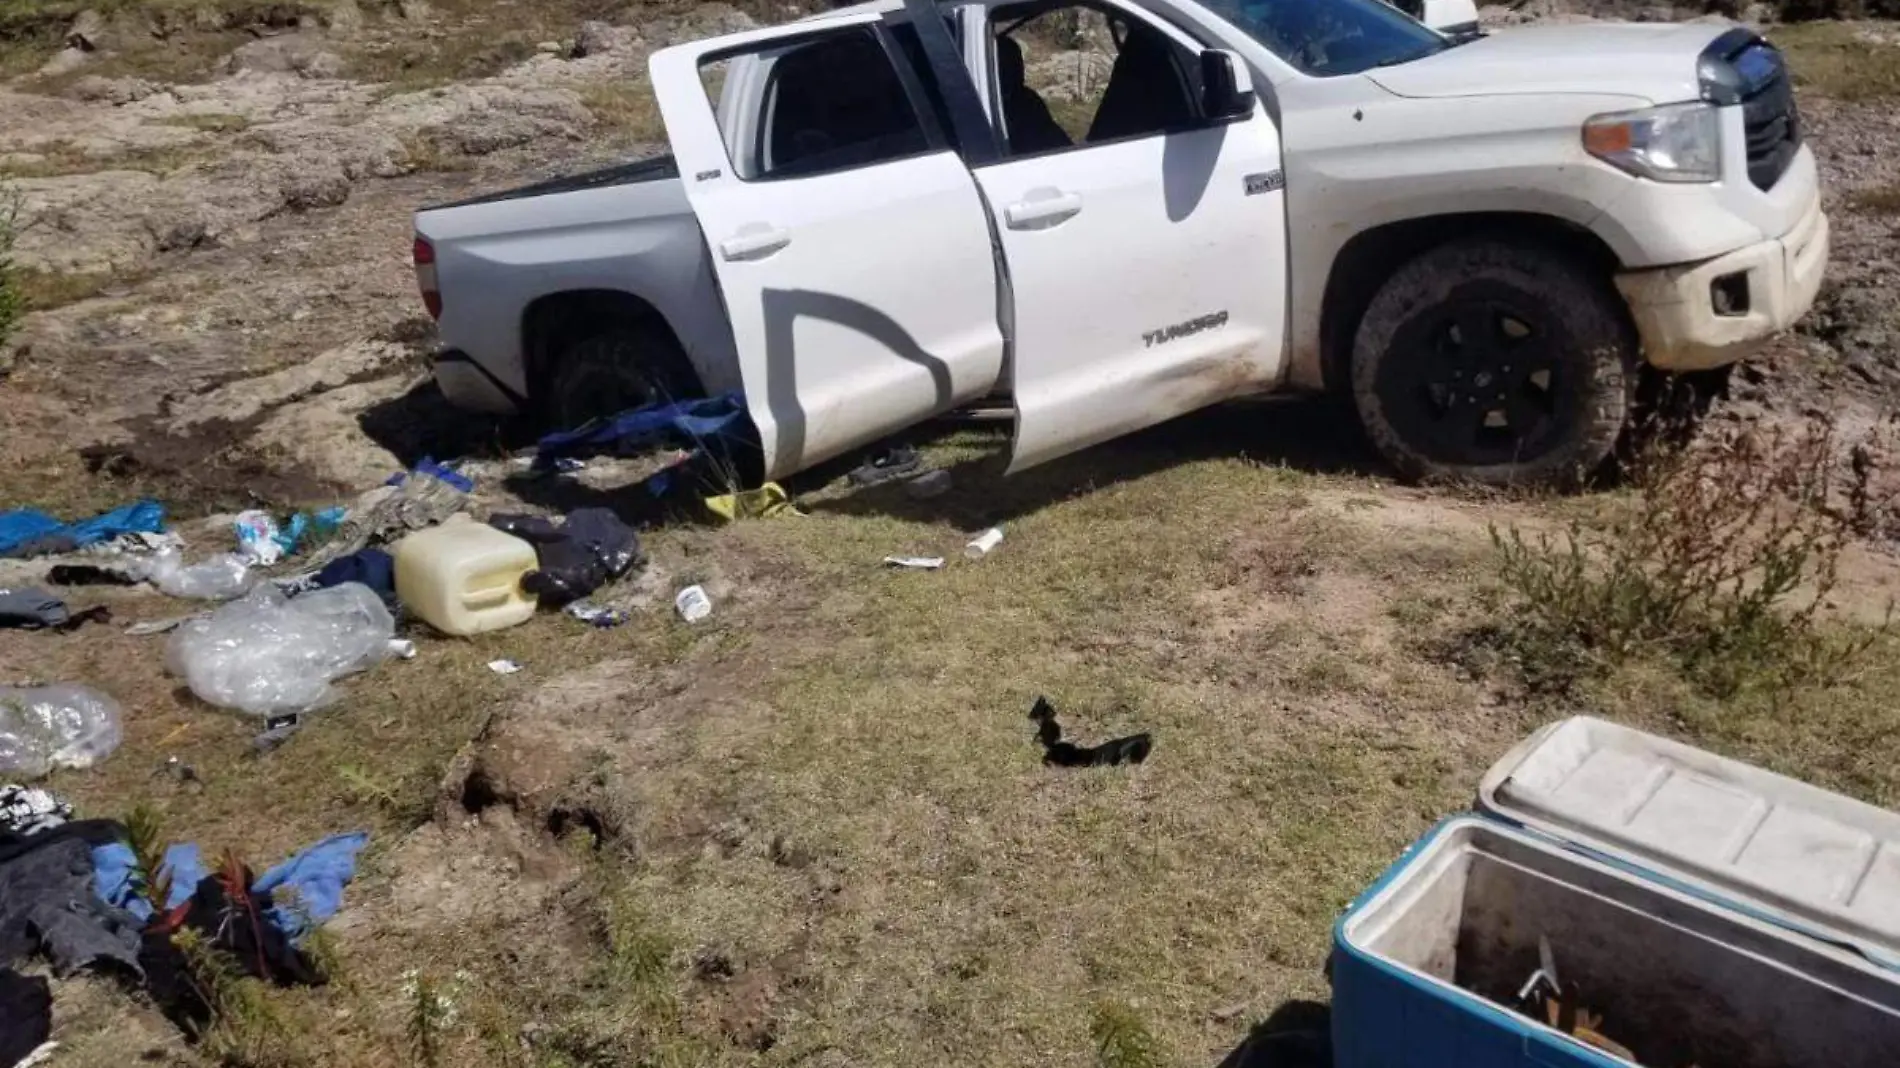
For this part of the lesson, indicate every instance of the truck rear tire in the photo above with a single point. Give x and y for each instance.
(1498, 362)
(611, 370)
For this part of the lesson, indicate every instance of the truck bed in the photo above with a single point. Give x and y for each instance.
(653, 168)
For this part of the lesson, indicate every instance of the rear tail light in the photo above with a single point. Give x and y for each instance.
(425, 277)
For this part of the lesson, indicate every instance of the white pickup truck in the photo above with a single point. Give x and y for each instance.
(1491, 243)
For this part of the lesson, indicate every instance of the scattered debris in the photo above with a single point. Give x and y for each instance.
(503, 667)
(981, 545)
(160, 626)
(575, 558)
(257, 536)
(929, 485)
(598, 615)
(31, 608)
(27, 1020)
(886, 465)
(219, 578)
(27, 532)
(689, 421)
(30, 810)
(427, 496)
(1131, 750)
(402, 648)
(267, 653)
(371, 567)
(692, 604)
(48, 905)
(915, 563)
(465, 577)
(89, 575)
(62, 726)
(765, 502)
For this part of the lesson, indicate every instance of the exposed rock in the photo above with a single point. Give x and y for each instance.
(67, 61)
(476, 120)
(322, 438)
(248, 397)
(602, 38)
(300, 54)
(342, 16)
(414, 10)
(316, 189)
(87, 33)
(115, 91)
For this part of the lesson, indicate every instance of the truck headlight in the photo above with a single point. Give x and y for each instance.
(1671, 143)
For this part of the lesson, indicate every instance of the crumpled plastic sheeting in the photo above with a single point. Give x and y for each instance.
(49, 727)
(266, 654)
(218, 578)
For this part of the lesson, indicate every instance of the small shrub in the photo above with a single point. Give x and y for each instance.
(12, 304)
(1122, 1038)
(1721, 559)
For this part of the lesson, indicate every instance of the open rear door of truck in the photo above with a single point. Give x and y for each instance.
(847, 236)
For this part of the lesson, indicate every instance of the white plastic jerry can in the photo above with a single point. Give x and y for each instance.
(464, 577)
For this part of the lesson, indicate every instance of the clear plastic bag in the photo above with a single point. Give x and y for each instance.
(267, 654)
(47, 727)
(219, 578)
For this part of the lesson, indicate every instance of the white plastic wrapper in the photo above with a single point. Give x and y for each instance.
(267, 654)
(219, 578)
(47, 727)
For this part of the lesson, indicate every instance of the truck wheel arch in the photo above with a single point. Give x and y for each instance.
(554, 323)
(1371, 257)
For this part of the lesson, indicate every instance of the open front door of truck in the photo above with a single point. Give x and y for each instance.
(1144, 232)
(848, 238)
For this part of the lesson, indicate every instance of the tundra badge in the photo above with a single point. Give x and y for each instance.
(1265, 183)
(1166, 334)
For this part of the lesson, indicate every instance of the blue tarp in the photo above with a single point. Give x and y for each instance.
(25, 525)
(691, 421)
(314, 879)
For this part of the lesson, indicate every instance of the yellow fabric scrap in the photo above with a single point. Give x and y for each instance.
(765, 502)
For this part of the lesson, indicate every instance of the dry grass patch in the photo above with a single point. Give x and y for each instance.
(1883, 200)
(1844, 60)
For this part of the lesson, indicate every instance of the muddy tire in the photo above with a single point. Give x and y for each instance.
(1496, 362)
(610, 370)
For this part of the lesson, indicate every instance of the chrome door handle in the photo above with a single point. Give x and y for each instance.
(754, 243)
(1038, 212)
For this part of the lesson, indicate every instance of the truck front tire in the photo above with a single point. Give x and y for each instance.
(1495, 362)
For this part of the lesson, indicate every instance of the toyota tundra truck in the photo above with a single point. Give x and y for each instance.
(1491, 243)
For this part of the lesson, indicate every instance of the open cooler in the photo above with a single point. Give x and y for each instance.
(1697, 912)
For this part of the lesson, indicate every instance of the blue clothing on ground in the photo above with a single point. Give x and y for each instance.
(627, 433)
(371, 567)
(24, 525)
(306, 890)
(112, 866)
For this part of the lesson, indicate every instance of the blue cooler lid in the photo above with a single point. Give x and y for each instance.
(1781, 850)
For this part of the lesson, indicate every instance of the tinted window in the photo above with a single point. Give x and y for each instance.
(836, 103)
(1072, 75)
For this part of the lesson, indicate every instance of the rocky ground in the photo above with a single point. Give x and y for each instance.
(217, 221)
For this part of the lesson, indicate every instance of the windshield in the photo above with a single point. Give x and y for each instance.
(1327, 38)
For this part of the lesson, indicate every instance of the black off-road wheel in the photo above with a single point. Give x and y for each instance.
(610, 370)
(1495, 362)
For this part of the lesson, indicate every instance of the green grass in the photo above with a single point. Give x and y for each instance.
(1842, 60)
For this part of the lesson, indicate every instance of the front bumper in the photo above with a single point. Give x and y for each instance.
(1675, 307)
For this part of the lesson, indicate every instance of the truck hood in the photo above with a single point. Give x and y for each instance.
(1653, 61)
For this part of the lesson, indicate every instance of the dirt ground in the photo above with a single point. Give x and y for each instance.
(816, 828)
